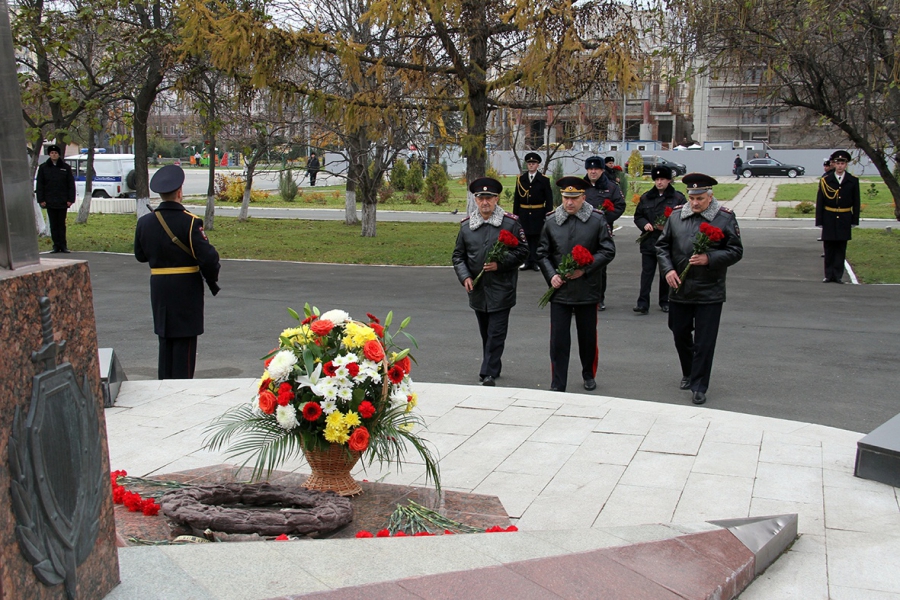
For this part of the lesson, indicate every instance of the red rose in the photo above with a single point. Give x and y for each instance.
(329, 369)
(309, 319)
(322, 327)
(379, 330)
(359, 439)
(267, 402)
(395, 374)
(668, 212)
(312, 411)
(353, 369)
(265, 384)
(366, 409)
(364, 534)
(149, 507)
(374, 351)
(582, 256)
(508, 239)
(405, 364)
(373, 318)
(608, 206)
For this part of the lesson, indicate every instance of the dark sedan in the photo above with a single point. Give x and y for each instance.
(767, 167)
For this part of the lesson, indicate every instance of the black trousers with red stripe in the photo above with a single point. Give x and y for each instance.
(561, 341)
(177, 357)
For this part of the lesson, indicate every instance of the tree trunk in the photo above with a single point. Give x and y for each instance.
(474, 145)
(85, 209)
(368, 218)
(353, 178)
(210, 216)
(248, 185)
(142, 105)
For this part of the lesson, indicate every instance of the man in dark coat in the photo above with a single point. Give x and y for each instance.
(494, 295)
(532, 200)
(312, 168)
(837, 211)
(181, 258)
(55, 191)
(695, 302)
(600, 189)
(649, 216)
(574, 222)
(738, 162)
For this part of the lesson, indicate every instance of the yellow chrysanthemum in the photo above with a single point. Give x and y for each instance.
(298, 335)
(335, 420)
(351, 419)
(357, 334)
(406, 426)
(411, 401)
(336, 435)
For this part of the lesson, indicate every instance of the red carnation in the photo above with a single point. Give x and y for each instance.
(285, 394)
(364, 534)
(582, 255)
(713, 233)
(118, 494)
(508, 239)
(353, 369)
(396, 374)
(359, 439)
(379, 330)
(373, 318)
(448, 532)
(309, 319)
(322, 327)
(400, 534)
(422, 534)
(383, 533)
(312, 411)
(283, 538)
(329, 369)
(608, 206)
(512, 528)
(494, 529)
(405, 364)
(366, 409)
(267, 402)
(149, 507)
(374, 351)
(132, 501)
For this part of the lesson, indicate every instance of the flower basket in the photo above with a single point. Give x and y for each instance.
(331, 470)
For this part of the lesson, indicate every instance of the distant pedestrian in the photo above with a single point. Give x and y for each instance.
(611, 169)
(738, 162)
(605, 195)
(827, 167)
(494, 294)
(837, 212)
(703, 236)
(532, 200)
(55, 191)
(312, 168)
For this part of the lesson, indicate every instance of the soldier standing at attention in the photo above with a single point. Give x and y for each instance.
(837, 211)
(532, 201)
(181, 258)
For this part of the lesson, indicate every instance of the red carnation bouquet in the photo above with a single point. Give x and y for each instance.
(608, 206)
(707, 236)
(505, 241)
(659, 222)
(578, 259)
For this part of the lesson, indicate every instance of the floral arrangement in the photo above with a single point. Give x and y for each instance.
(708, 235)
(131, 500)
(657, 224)
(332, 380)
(578, 259)
(505, 242)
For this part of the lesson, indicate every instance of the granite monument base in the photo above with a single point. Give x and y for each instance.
(878, 454)
(67, 284)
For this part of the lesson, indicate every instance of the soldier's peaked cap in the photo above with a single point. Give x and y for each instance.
(571, 186)
(698, 183)
(841, 155)
(486, 186)
(533, 157)
(167, 180)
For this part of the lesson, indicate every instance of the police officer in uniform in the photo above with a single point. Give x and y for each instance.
(532, 200)
(181, 258)
(55, 191)
(495, 294)
(695, 304)
(602, 188)
(650, 208)
(574, 222)
(837, 211)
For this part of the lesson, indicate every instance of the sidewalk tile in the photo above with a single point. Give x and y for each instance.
(654, 470)
(718, 458)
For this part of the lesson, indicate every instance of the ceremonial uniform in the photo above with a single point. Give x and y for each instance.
(695, 306)
(494, 295)
(651, 207)
(837, 210)
(579, 296)
(177, 272)
(532, 200)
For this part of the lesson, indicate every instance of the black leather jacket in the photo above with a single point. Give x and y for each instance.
(558, 240)
(606, 189)
(651, 207)
(496, 290)
(703, 284)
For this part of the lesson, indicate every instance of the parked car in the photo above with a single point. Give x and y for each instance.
(653, 160)
(767, 167)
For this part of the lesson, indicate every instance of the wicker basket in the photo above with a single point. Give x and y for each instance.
(331, 470)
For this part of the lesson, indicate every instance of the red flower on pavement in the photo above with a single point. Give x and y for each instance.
(312, 411)
(383, 533)
(149, 507)
(283, 538)
(364, 534)
(359, 439)
(366, 409)
(322, 327)
(132, 501)
(118, 494)
(400, 534)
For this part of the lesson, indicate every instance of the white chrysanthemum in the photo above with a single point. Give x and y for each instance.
(342, 372)
(368, 370)
(338, 317)
(345, 393)
(286, 416)
(397, 395)
(346, 359)
(329, 392)
(281, 365)
(329, 406)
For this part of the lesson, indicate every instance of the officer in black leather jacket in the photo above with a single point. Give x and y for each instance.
(600, 189)
(494, 294)
(574, 222)
(695, 303)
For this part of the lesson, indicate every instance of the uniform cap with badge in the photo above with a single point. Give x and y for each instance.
(167, 180)
(485, 186)
(840, 155)
(661, 172)
(53, 148)
(698, 183)
(533, 157)
(593, 162)
(571, 186)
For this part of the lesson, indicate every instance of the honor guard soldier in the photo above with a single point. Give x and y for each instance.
(600, 189)
(837, 211)
(181, 258)
(532, 201)
(695, 303)
(494, 294)
(574, 223)
(649, 216)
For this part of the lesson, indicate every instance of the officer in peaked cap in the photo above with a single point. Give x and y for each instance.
(837, 211)
(574, 223)
(494, 294)
(181, 258)
(695, 302)
(532, 200)
(604, 194)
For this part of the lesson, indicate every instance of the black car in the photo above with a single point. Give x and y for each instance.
(766, 167)
(652, 160)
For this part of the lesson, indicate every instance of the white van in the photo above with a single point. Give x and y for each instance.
(113, 175)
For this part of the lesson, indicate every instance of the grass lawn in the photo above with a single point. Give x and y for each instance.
(873, 255)
(876, 201)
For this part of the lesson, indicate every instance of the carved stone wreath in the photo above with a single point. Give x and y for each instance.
(257, 508)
